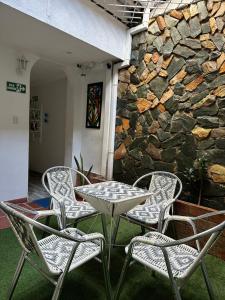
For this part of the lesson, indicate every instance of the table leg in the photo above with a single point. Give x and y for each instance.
(104, 228)
(110, 235)
(115, 230)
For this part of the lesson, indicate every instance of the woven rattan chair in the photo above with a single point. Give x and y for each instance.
(59, 253)
(173, 258)
(58, 182)
(166, 188)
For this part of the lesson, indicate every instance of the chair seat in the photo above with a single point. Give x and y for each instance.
(146, 213)
(181, 256)
(79, 209)
(56, 251)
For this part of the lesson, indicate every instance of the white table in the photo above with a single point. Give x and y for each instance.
(112, 198)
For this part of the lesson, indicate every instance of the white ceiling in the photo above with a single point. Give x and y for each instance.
(25, 33)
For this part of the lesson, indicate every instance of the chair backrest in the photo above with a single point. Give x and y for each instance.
(23, 228)
(166, 185)
(58, 181)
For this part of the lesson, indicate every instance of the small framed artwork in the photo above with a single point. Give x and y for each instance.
(94, 105)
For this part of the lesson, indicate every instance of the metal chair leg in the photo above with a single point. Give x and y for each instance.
(207, 281)
(176, 291)
(106, 276)
(173, 283)
(104, 228)
(16, 275)
(58, 287)
(122, 275)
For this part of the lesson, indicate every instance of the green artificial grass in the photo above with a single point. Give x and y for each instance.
(86, 282)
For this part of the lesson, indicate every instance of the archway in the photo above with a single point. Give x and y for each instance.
(48, 94)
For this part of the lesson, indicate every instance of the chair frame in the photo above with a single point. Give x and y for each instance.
(62, 218)
(55, 279)
(177, 284)
(165, 205)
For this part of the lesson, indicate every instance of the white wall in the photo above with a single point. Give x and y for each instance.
(92, 139)
(50, 150)
(81, 19)
(87, 141)
(13, 137)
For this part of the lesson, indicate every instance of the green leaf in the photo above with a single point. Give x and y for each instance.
(82, 163)
(89, 171)
(77, 163)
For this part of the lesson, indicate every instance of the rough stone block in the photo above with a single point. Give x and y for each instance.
(201, 133)
(221, 10)
(218, 133)
(220, 91)
(176, 14)
(213, 25)
(154, 152)
(154, 28)
(208, 122)
(175, 35)
(184, 51)
(167, 48)
(191, 43)
(175, 66)
(174, 141)
(209, 67)
(143, 104)
(219, 40)
(206, 111)
(193, 84)
(168, 155)
(195, 27)
(202, 9)
(182, 123)
(208, 45)
(161, 22)
(170, 21)
(217, 173)
(184, 29)
(158, 85)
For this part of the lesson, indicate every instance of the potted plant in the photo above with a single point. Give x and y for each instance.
(80, 168)
(196, 178)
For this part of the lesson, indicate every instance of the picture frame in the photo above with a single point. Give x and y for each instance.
(94, 105)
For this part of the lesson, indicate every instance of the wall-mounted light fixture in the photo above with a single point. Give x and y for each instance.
(21, 64)
(85, 67)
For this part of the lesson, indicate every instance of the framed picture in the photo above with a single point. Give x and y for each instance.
(94, 105)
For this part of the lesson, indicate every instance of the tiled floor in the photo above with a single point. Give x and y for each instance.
(35, 188)
(4, 223)
(35, 191)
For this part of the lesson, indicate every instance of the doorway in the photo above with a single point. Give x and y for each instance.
(47, 123)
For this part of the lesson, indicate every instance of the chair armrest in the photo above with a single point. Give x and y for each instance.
(182, 219)
(84, 238)
(208, 215)
(93, 236)
(37, 213)
(152, 241)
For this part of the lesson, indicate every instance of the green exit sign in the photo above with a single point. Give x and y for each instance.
(16, 87)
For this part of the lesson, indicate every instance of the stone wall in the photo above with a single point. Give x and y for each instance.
(171, 100)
